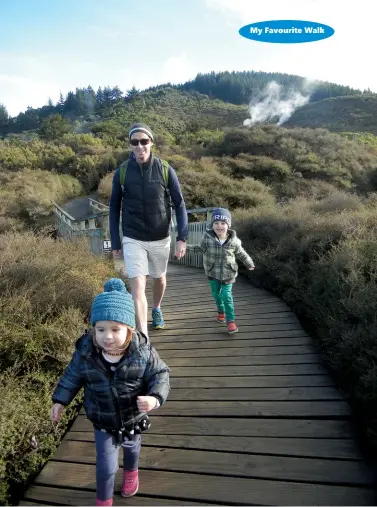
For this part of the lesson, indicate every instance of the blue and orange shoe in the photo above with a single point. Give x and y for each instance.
(157, 319)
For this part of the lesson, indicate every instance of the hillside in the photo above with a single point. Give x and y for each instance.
(356, 113)
(211, 100)
(168, 109)
(242, 87)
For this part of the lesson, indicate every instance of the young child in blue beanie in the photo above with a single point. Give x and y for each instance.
(221, 249)
(123, 379)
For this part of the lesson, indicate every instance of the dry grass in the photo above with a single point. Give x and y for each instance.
(46, 291)
(322, 259)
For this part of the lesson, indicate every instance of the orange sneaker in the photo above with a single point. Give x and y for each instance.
(232, 327)
(221, 317)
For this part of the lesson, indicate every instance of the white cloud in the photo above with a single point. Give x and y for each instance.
(103, 32)
(177, 69)
(17, 92)
(342, 58)
(251, 11)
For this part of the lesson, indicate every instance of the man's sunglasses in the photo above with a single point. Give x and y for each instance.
(143, 142)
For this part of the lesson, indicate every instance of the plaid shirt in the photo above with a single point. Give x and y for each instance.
(110, 400)
(220, 261)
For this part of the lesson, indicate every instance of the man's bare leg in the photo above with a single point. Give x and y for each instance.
(141, 304)
(159, 287)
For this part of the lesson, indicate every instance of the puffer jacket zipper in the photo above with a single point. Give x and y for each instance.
(222, 262)
(113, 389)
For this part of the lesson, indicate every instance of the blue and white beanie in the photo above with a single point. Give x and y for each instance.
(115, 303)
(222, 215)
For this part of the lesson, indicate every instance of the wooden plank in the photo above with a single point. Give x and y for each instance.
(204, 312)
(158, 338)
(264, 381)
(65, 496)
(245, 328)
(218, 489)
(197, 304)
(244, 371)
(194, 285)
(238, 351)
(257, 394)
(209, 306)
(204, 293)
(203, 298)
(222, 345)
(192, 282)
(293, 409)
(304, 447)
(175, 362)
(230, 426)
(225, 463)
(244, 320)
(243, 314)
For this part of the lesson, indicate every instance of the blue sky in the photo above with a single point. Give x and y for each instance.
(58, 45)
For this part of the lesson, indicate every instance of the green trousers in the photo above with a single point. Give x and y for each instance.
(223, 297)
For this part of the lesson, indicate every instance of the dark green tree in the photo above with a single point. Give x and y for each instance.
(54, 127)
(4, 119)
(132, 93)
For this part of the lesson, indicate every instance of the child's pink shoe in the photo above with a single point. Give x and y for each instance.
(109, 501)
(130, 483)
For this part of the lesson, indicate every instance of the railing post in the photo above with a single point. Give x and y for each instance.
(209, 216)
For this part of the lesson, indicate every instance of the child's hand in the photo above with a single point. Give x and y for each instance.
(56, 412)
(251, 269)
(146, 403)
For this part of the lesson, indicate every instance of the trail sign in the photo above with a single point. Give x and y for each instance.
(106, 247)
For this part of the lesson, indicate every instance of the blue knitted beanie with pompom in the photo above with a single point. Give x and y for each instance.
(114, 303)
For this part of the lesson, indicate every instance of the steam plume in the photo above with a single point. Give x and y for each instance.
(274, 102)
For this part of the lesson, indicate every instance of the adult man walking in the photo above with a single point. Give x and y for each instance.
(144, 190)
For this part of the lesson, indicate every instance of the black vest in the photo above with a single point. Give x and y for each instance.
(146, 211)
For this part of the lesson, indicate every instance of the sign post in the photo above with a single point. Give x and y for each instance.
(106, 246)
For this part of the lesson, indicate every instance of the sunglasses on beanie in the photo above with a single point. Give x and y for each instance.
(143, 142)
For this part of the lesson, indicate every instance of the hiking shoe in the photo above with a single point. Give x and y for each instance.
(157, 319)
(221, 317)
(232, 327)
(130, 483)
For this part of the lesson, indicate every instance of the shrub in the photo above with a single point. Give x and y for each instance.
(26, 196)
(46, 291)
(323, 263)
(27, 436)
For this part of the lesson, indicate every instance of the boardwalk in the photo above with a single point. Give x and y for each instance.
(251, 419)
(79, 208)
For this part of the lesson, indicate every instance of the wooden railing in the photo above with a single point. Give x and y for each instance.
(96, 228)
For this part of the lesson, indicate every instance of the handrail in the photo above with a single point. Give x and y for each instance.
(64, 212)
(106, 207)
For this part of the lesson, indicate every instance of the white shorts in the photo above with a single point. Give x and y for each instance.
(143, 258)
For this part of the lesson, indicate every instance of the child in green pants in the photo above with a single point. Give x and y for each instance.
(221, 249)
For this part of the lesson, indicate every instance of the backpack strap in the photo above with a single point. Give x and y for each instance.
(122, 173)
(165, 171)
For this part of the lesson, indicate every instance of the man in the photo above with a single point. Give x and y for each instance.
(144, 203)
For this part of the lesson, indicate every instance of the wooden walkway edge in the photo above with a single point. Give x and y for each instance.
(252, 418)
